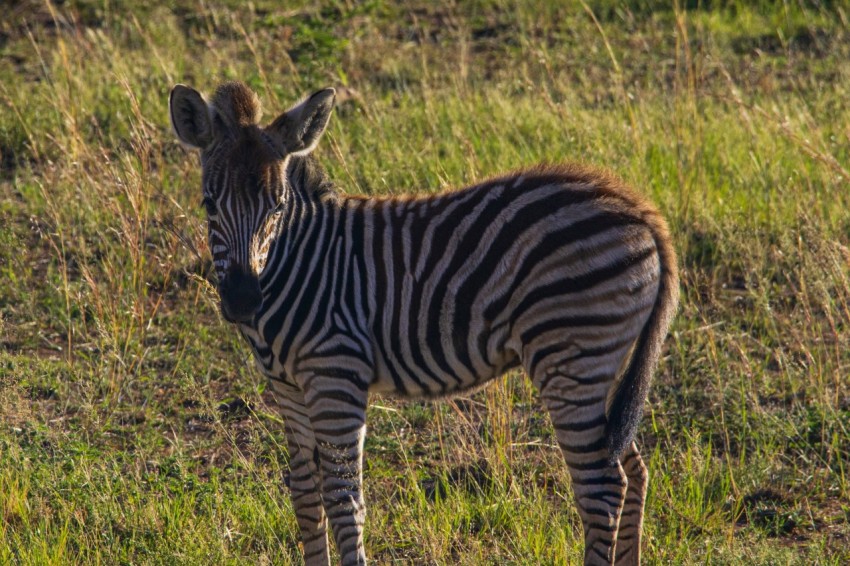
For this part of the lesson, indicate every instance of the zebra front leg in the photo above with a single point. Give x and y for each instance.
(305, 479)
(337, 408)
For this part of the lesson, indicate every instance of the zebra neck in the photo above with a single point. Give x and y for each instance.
(291, 233)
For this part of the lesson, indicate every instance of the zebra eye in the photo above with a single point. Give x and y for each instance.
(209, 204)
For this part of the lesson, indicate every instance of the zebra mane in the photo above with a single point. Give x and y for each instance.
(306, 176)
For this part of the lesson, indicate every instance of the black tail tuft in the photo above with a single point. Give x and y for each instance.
(626, 408)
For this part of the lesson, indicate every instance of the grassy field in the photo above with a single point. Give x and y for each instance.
(133, 427)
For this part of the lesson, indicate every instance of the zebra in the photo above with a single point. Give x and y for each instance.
(561, 270)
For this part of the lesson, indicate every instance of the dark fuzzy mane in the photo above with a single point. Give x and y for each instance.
(306, 176)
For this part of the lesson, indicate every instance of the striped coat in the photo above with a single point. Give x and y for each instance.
(560, 270)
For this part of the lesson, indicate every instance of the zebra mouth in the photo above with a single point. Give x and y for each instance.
(235, 315)
(241, 296)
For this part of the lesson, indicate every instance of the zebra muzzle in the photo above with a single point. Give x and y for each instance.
(240, 294)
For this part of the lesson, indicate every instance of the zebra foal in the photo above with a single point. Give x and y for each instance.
(560, 270)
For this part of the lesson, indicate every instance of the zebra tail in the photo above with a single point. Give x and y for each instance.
(626, 407)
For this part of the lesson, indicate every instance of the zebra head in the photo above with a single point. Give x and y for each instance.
(243, 176)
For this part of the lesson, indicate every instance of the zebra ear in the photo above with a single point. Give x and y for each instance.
(190, 117)
(299, 128)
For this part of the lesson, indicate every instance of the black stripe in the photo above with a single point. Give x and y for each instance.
(340, 373)
(599, 553)
(570, 322)
(338, 431)
(338, 395)
(595, 446)
(338, 350)
(578, 426)
(590, 510)
(599, 464)
(338, 415)
(318, 551)
(601, 527)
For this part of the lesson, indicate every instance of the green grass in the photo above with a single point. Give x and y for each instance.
(133, 427)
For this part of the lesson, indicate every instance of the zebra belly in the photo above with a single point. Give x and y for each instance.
(416, 371)
(386, 383)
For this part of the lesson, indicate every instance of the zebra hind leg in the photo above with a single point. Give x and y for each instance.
(577, 409)
(631, 520)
